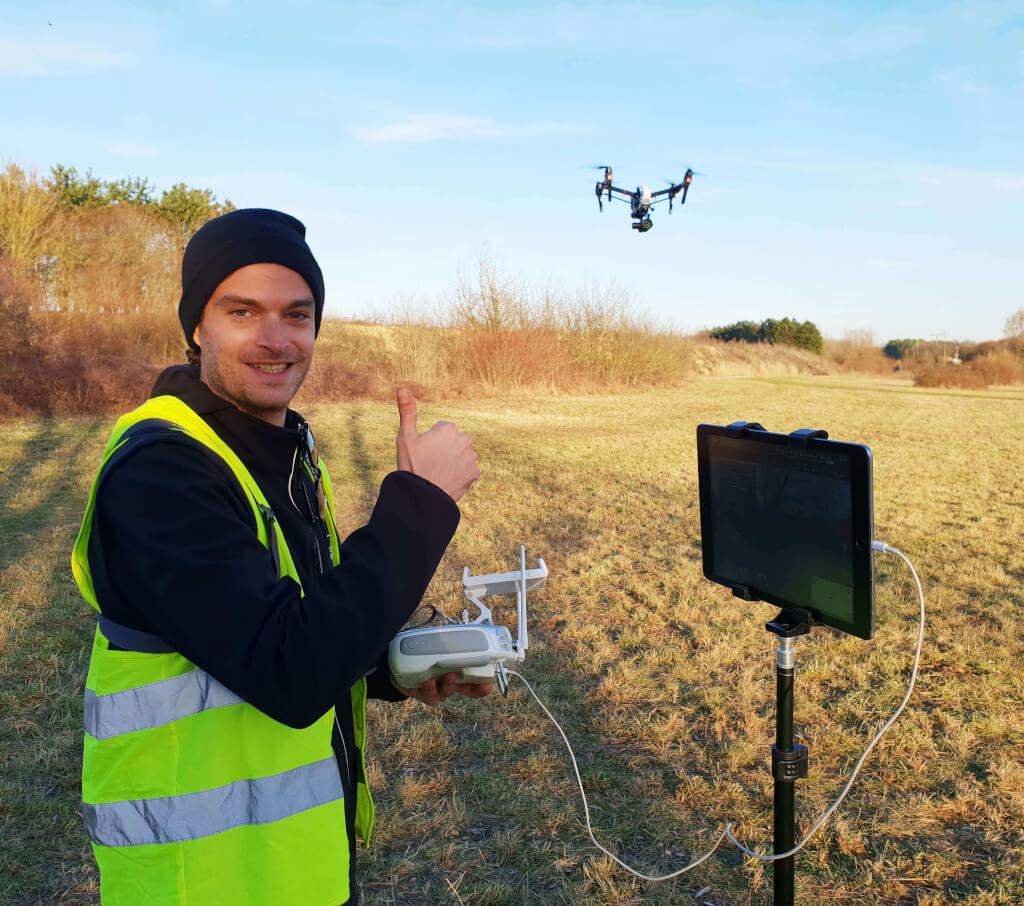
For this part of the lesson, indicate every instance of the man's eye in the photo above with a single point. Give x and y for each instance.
(239, 312)
(301, 315)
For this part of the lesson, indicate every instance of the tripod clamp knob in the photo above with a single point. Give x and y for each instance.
(789, 767)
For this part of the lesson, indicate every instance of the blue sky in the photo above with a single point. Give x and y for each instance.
(863, 163)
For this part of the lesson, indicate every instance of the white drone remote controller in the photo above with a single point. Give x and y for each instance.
(476, 650)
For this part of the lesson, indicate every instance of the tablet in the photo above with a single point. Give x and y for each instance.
(789, 520)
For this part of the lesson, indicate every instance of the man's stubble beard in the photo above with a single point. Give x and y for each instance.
(210, 374)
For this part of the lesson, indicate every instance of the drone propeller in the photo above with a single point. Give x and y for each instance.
(683, 185)
(692, 173)
(603, 186)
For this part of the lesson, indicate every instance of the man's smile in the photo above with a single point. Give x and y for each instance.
(275, 368)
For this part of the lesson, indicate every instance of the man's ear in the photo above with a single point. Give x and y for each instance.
(195, 335)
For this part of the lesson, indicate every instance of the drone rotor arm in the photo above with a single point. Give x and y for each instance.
(619, 193)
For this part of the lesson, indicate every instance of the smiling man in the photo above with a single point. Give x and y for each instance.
(238, 636)
(257, 333)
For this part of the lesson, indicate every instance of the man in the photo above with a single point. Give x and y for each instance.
(238, 636)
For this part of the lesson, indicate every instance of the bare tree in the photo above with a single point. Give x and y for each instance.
(1014, 327)
(27, 213)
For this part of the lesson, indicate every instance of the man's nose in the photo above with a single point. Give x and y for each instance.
(272, 336)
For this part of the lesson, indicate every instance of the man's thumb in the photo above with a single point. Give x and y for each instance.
(406, 412)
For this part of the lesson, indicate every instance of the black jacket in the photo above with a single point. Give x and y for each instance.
(174, 552)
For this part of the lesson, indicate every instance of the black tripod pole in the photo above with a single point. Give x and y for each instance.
(789, 761)
(784, 789)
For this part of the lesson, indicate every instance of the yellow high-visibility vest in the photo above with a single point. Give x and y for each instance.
(191, 796)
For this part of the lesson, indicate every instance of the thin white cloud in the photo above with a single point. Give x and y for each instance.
(132, 150)
(1007, 182)
(921, 173)
(890, 203)
(750, 35)
(964, 179)
(984, 13)
(416, 128)
(42, 58)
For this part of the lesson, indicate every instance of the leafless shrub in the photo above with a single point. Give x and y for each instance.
(857, 351)
(979, 373)
(1014, 327)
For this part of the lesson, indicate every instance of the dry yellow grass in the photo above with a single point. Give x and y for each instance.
(713, 357)
(663, 681)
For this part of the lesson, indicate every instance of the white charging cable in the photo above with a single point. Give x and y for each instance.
(727, 832)
(886, 549)
(586, 807)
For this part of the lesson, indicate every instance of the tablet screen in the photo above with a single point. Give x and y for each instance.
(789, 523)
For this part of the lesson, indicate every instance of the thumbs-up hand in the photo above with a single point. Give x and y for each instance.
(443, 455)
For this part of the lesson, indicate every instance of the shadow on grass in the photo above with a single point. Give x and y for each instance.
(363, 466)
(44, 858)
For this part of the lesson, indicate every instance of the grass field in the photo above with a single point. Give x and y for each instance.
(663, 681)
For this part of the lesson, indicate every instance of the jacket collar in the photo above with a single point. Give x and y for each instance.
(259, 444)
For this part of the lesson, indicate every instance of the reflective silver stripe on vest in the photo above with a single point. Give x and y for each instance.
(154, 704)
(173, 819)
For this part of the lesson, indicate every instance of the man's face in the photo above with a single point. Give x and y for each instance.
(256, 337)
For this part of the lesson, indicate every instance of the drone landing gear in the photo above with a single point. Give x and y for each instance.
(644, 225)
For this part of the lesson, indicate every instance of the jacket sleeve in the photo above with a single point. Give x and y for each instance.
(174, 551)
(378, 683)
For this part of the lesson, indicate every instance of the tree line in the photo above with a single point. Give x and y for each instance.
(89, 277)
(46, 224)
(787, 331)
(184, 207)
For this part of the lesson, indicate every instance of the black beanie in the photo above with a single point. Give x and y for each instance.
(236, 240)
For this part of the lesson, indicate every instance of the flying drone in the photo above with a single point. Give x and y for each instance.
(641, 200)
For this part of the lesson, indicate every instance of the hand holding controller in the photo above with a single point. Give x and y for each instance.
(435, 691)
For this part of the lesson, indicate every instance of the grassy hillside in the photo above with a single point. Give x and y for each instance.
(758, 359)
(664, 682)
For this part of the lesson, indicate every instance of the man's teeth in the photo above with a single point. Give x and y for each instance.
(272, 369)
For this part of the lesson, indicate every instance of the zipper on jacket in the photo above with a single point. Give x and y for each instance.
(346, 775)
(299, 471)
